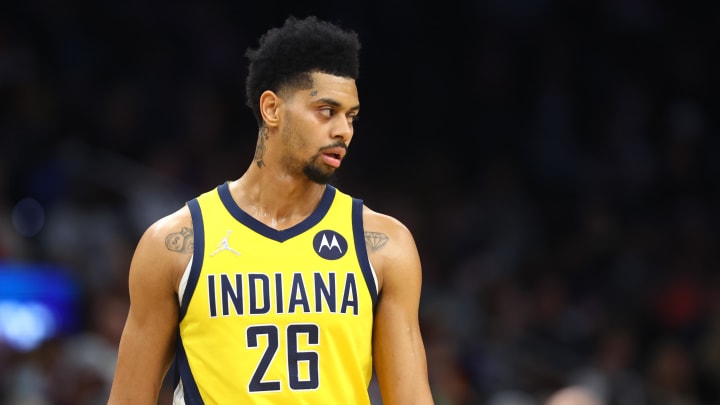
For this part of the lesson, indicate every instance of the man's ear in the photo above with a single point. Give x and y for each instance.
(269, 108)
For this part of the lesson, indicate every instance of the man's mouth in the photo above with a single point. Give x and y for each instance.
(332, 159)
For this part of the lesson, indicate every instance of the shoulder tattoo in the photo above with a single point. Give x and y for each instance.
(375, 240)
(181, 242)
(260, 147)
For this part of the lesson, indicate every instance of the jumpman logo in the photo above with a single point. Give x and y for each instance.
(224, 245)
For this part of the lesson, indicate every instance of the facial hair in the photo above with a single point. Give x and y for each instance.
(316, 173)
(313, 168)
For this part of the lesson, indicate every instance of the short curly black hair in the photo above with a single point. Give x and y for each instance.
(287, 55)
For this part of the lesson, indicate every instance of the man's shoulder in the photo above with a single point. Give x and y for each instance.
(182, 216)
(375, 221)
(174, 222)
(380, 222)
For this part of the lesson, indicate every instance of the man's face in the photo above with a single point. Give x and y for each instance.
(318, 126)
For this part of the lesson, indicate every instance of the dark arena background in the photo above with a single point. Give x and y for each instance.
(557, 162)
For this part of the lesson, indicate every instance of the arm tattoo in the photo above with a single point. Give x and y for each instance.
(375, 240)
(181, 242)
(260, 147)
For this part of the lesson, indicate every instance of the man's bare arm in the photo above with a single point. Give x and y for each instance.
(398, 349)
(148, 341)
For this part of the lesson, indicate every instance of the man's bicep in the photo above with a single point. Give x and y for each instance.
(153, 299)
(399, 352)
(148, 339)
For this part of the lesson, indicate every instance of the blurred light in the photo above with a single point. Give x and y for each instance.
(25, 325)
(37, 302)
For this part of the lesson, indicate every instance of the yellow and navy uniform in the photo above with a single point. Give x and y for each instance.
(276, 316)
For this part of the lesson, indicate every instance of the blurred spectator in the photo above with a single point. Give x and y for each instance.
(610, 373)
(573, 396)
(670, 374)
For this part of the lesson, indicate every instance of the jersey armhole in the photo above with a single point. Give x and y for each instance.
(184, 280)
(361, 249)
(192, 272)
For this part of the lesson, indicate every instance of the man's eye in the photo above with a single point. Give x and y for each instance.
(328, 112)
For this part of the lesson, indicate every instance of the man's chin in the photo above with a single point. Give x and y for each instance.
(319, 176)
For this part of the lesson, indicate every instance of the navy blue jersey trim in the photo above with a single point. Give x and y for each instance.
(190, 389)
(198, 253)
(361, 248)
(270, 233)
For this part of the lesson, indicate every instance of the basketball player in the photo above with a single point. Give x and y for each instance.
(277, 288)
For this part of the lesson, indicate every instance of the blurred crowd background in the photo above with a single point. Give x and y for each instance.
(557, 162)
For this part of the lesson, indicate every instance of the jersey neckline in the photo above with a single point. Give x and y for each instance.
(278, 235)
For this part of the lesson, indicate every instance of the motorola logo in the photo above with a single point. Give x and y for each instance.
(330, 245)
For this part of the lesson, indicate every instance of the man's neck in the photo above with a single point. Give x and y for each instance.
(279, 201)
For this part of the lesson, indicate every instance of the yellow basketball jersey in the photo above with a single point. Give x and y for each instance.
(277, 316)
